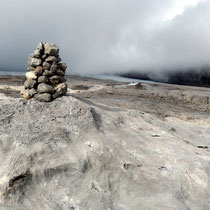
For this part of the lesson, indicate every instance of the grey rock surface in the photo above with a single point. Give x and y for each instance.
(74, 153)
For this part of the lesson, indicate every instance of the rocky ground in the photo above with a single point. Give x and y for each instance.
(105, 145)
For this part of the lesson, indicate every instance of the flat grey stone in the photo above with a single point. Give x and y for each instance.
(45, 88)
(45, 97)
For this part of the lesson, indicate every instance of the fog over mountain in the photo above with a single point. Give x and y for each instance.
(108, 36)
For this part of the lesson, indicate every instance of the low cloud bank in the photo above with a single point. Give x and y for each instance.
(107, 36)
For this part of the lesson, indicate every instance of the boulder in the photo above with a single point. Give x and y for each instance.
(45, 88)
(35, 62)
(51, 49)
(43, 79)
(45, 97)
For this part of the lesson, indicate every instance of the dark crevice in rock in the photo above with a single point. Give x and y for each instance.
(19, 184)
(16, 179)
(86, 166)
(127, 166)
(62, 169)
(203, 147)
(94, 187)
(162, 167)
(96, 119)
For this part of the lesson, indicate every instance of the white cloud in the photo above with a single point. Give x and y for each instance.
(108, 35)
(179, 7)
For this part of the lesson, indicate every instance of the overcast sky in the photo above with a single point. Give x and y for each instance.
(104, 36)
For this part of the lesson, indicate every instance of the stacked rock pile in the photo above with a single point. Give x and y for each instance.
(46, 76)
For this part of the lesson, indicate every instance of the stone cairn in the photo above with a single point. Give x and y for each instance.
(45, 79)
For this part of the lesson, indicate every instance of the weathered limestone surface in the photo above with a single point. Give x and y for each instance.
(75, 153)
(45, 74)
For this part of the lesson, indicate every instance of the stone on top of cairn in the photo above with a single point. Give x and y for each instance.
(46, 76)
